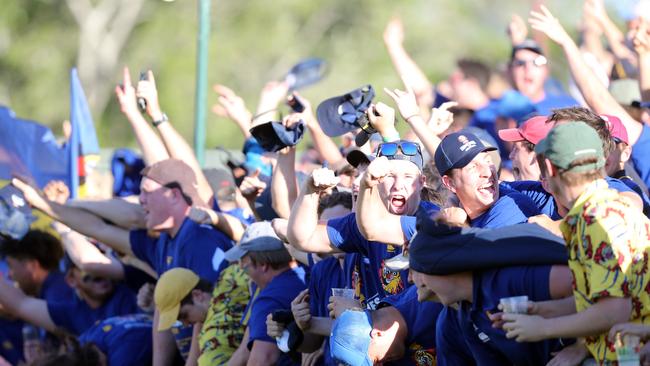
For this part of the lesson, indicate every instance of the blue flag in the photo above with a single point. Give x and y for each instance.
(30, 150)
(83, 133)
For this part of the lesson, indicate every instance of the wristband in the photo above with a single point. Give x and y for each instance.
(391, 138)
(162, 119)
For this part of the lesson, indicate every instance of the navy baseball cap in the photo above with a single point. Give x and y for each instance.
(527, 44)
(339, 115)
(350, 338)
(274, 136)
(457, 149)
(305, 73)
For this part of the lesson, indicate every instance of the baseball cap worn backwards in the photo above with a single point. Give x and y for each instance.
(171, 289)
(457, 149)
(532, 130)
(568, 142)
(258, 237)
(171, 172)
(350, 338)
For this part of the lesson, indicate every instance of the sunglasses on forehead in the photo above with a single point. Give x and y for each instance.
(407, 148)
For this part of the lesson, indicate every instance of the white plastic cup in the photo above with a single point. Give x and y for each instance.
(346, 293)
(626, 350)
(515, 304)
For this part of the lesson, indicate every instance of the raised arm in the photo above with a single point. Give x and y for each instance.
(77, 219)
(304, 232)
(87, 257)
(406, 68)
(232, 106)
(615, 38)
(29, 309)
(284, 188)
(227, 224)
(641, 41)
(176, 145)
(125, 214)
(594, 92)
(152, 148)
(373, 219)
(325, 146)
(273, 93)
(427, 133)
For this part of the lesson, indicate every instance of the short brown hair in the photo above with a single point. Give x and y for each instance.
(570, 178)
(477, 70)
(334, 199)
(572, 114)
(276, 259)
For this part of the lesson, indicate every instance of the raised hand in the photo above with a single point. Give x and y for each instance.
(126, 94)
(517, 30)
(546, 23)
(147, 89)
(376, 171)
(406, 102)
(232, 106)
(56, 191)
(641, 39)
(322, 179)
(394, 32)
(33, 196)
(382, 118)
(251, 187)
(441, 118)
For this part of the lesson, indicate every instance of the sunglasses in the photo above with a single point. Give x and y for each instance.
(538, 61)
(407, 148)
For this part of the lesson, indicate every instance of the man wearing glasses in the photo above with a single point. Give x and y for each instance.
(529, 71)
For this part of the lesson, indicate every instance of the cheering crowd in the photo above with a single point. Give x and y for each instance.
(507, 226)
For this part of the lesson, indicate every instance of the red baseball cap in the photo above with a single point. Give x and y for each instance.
(533, 130)
(616, 127)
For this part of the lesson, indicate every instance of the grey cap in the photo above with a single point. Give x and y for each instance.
(258, 237)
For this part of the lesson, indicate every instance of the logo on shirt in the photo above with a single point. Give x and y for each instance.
(169, 260)
(390, 281)
(466, 143)
(107, 328)
(422, 356)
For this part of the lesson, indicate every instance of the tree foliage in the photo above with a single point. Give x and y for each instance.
(252, 42)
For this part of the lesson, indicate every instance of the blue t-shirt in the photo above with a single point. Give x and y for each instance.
(125, 340)
(511, 208)
(380, 282)
(544, 200)
(640, 153)
(488, 345)
(553, 101)
(325, 275)
(486, 117)
(200, 248)
(420, 319)
(277, 295)
(76, 316)
(54, 288)
(11, 340)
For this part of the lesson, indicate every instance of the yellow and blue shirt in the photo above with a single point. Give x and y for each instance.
(607, 240)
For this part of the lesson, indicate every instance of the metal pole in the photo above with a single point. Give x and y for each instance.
(201, 80)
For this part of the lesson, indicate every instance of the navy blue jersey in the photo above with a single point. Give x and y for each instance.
(511, 208)
(277, 295)
(125, 340)
(200, 248)
(76, 316)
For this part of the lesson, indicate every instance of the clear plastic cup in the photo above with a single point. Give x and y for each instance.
(346, 293)
(515, 304)
(627, 350)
